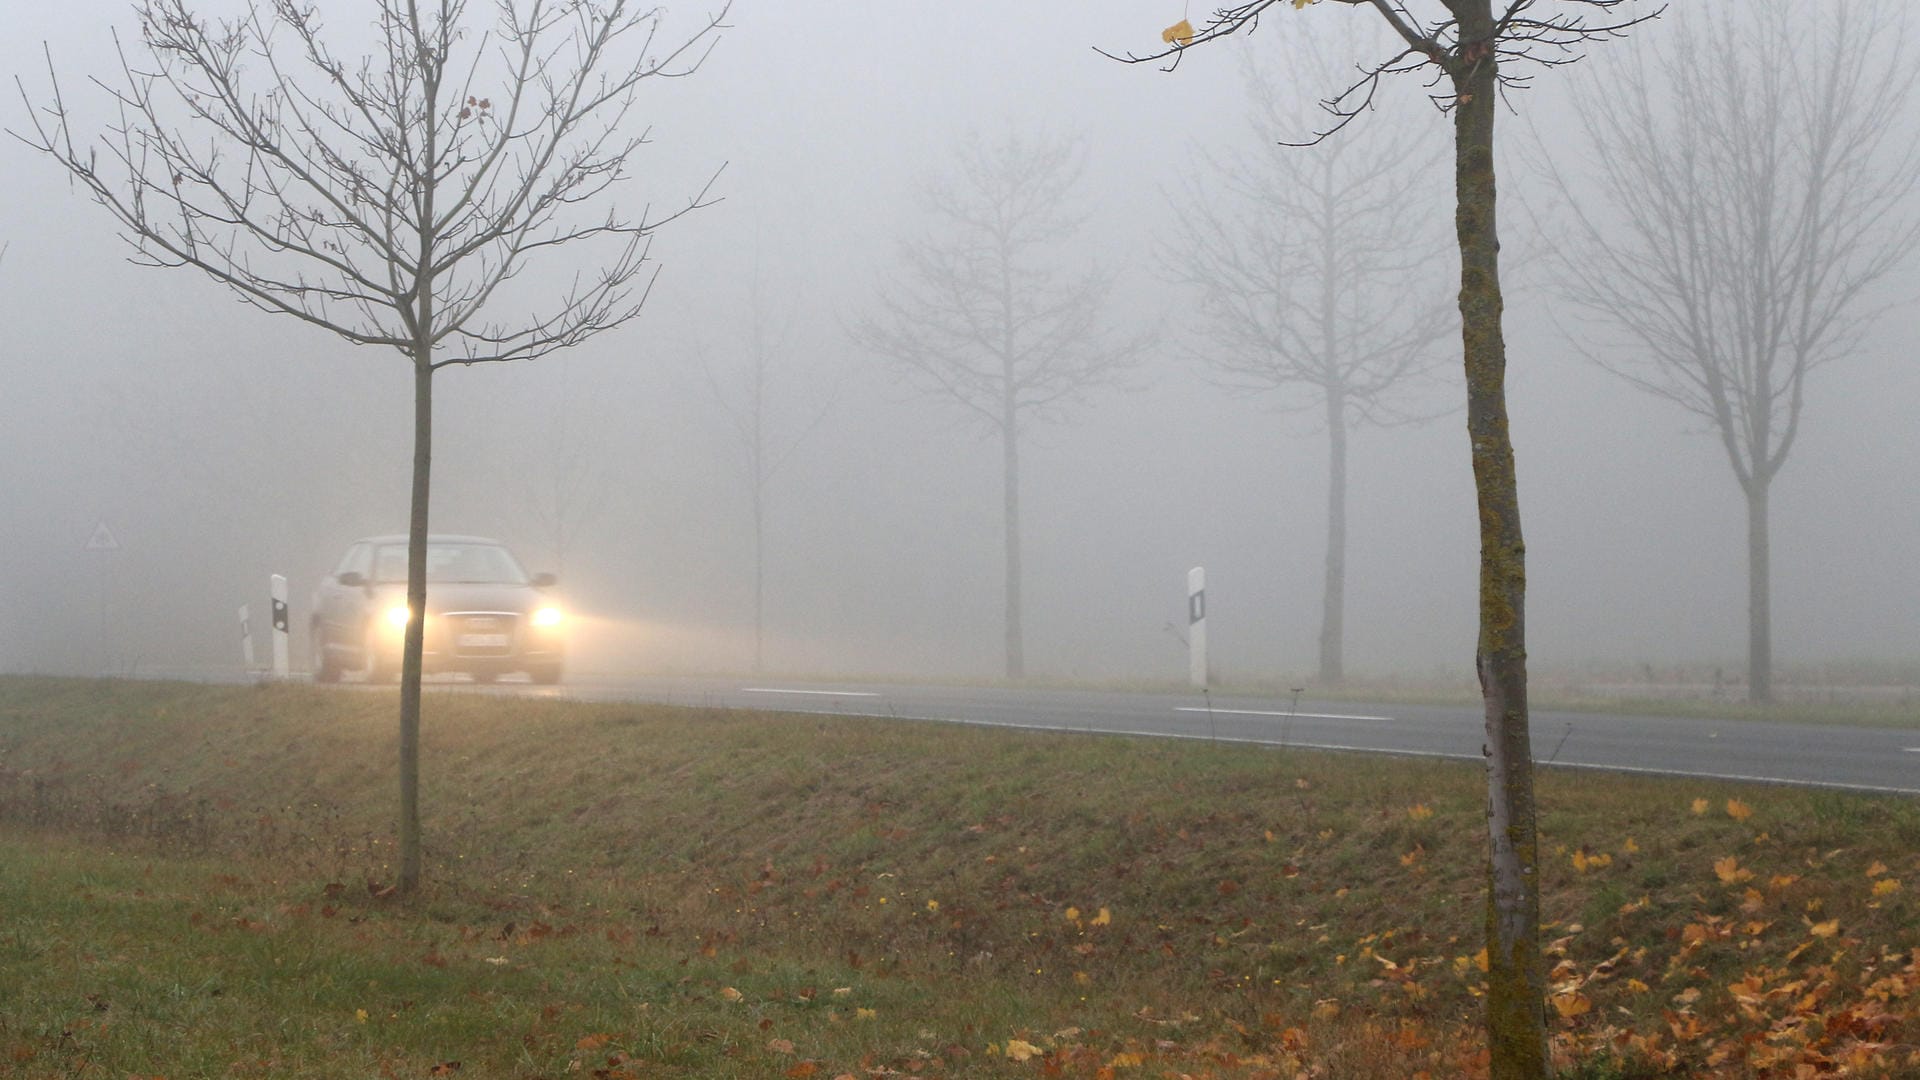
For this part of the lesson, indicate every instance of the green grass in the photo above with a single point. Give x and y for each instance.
(191, 879)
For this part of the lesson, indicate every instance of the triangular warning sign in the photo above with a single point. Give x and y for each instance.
(102, 539)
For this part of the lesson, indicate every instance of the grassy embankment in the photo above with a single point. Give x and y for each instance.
(193, 884)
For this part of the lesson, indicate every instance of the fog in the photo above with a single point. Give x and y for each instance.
(220, 444)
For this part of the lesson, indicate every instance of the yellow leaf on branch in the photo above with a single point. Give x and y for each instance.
(1180, 34)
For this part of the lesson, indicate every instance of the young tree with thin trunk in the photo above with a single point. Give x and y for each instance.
(1747, 180)
(1314, 272)
(981, 317)
(391, 200)
(766, 442)
(1470, 48)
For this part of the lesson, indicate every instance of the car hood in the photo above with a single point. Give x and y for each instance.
(443, 597)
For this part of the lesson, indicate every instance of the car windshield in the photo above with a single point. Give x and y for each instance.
(449, 564)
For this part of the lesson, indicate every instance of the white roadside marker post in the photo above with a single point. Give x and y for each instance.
(246, 638)
(279, 592)
(1197, 671)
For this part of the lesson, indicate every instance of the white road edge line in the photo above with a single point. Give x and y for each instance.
(819, 693)
(1264, 712)
(1833, 785)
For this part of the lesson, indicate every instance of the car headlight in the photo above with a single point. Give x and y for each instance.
(547, 617)
(398, 615)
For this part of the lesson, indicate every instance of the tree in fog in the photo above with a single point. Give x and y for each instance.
(1472, 51)
(1748, 178)
(766, 438)
(1315, 273)
(982, 314)
(391, 200)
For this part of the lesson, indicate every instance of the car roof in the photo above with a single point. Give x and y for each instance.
(432, 538)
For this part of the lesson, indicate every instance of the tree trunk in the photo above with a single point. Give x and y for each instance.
(1333, 603)
(1516, 983)
(1759, 596)
(1010, 448)
(410, 663)
(759, 575)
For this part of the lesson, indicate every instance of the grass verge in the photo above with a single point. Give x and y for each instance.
(195, 882)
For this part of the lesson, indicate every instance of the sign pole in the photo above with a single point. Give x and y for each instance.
(246, 638)
(1197, 671)
(278, 585)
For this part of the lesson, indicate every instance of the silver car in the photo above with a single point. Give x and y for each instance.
(486, 615)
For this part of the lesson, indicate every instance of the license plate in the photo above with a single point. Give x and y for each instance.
(483, 641)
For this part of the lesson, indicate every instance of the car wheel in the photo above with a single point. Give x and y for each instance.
(546, 674)
(371, 666)
(323, 665)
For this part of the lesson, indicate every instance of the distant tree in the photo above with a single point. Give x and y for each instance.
(1468, 47)
(767, 440)
(1315, 277)
(980, 315)
(1747, 180)
(389, 200)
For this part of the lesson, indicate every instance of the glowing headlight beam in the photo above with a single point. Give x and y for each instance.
(398, 616)
(547, 616)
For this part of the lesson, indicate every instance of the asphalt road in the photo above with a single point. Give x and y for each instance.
(1859, 759)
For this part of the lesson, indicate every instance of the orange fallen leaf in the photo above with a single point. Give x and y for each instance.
(1730, 872)
(1021, 1050)
(1738, 810)
(1699, 807)
(1571, 1004)
(1824, 929)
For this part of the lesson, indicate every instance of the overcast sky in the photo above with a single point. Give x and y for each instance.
(221, 444)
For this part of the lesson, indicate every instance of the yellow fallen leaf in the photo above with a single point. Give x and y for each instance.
(933, 905)
(1886, 886)
(1419, 811)
(1876, 869)
(1738, 810)
(1480, 959)
(1824, 929)
(1180, 34)
(1021, 1050)
(1127, 1060)
(1630, 847)
(1699, 807)
(1073, 914)
(360, 1015)
(731, 994)
(1105, 918)
(1572, 1004)
(864, 1014)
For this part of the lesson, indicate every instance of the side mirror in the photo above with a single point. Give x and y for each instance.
(545, 581)
(352, 579)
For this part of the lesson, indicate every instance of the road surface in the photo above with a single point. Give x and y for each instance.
(1859, 759)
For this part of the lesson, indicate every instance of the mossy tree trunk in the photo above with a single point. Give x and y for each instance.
(1516, 984)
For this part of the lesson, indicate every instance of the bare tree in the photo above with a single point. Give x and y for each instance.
(1314, 274)
(980, 318)
(389, 200)
(1759, 165)
(1472, 50)
(767, 442)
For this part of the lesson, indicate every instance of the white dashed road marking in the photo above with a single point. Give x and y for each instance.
(820, 693)
(1284, 715)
